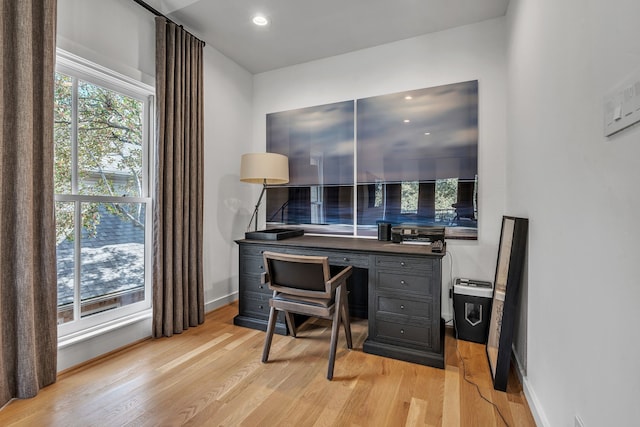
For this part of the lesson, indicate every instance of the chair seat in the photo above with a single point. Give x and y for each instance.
(321, 307)
(321, 302)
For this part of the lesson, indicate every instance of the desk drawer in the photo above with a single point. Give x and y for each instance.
(253, 250)
(407, 335)
(404, 307)
(252, 265)
(356, 260)
(416, 283)
(403, 263)
(251, 283)
(254, 304)
(335, 257)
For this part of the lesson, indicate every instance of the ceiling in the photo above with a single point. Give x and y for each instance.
(304, 30)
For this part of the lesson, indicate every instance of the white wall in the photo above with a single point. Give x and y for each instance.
(466, 53)
(579, 190)
(120, 35)
(227, 201)
(117, 34)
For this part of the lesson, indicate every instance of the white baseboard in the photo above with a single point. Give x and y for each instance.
(534, 404)
(220, 302)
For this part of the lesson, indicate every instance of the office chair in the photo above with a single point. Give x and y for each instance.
(303, 284)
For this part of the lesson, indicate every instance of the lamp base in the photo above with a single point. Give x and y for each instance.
(274, 234)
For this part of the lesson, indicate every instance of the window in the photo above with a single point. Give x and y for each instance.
(409, 197)
(102, 194)
(402, 158)
(446, 198)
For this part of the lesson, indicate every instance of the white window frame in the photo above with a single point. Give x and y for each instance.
(87, 327)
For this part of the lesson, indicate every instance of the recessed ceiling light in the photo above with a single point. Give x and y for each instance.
(407, 120)
(260, 20)
(408, 97)
(427, 133)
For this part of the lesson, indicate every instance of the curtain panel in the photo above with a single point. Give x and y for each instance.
(178, 292)
(28, 298)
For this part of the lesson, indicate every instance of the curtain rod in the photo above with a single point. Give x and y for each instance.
(158, 13)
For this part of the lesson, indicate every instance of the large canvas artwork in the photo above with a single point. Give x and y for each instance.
(413, 154)
(511, 254)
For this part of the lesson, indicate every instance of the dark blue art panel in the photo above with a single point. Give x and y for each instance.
(418, 158)
(419, 135)
(318, 141)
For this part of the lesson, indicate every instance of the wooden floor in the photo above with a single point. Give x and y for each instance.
(211, 375)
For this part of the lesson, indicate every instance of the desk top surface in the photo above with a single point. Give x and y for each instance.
(349, 244)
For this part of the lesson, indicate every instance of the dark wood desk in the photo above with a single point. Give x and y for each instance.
(397, 287)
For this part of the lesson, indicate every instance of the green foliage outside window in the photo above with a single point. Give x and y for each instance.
(109, 152)
(409, 197)
(446, 193)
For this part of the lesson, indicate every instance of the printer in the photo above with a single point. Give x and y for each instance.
(416, 234)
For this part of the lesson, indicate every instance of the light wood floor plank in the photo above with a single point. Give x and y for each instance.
(212, 375)
(451, 404)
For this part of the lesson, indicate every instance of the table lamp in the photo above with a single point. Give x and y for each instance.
(265, 169)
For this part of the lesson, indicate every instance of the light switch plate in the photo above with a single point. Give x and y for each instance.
(622, 105)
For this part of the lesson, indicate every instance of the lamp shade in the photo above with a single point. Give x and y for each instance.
(264, 168)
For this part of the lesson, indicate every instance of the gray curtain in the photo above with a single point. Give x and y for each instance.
(28, 296)
(178, 295)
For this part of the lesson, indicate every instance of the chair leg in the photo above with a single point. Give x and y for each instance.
(290, 323)
(267, 339)
(346, 320)
(335, 327)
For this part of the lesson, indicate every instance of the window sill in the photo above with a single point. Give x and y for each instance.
(89, 333)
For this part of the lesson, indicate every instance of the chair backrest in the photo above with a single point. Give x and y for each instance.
(298, 274)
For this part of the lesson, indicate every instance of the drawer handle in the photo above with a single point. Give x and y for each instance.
(260, 286)
(345, 259)
(261, 267)
(402, 263)
(401, 306)
(260, 307)
(403, 283)
(402, 331)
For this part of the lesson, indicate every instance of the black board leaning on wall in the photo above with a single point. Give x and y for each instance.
(509, 267)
